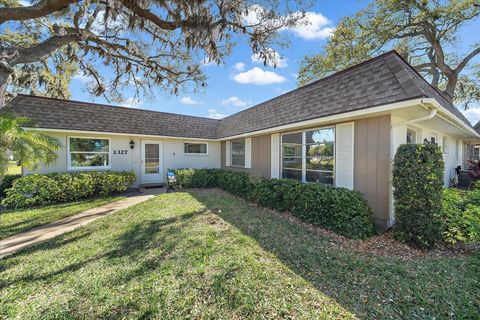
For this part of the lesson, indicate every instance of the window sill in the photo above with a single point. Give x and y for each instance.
(89, 168)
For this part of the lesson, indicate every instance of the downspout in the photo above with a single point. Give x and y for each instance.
(426, 103)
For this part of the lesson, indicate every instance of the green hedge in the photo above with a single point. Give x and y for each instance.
(7, 182)
(418, 185)
(461, 216)
(340, 210)
(42, 189)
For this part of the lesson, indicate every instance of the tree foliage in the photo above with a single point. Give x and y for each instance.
(138, 44)
(28, 147)
(425, 32)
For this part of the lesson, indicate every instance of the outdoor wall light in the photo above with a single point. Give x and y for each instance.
(132, 144)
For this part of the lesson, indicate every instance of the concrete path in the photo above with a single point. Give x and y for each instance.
(24, 239)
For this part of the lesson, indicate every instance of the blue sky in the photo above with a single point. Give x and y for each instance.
(242, 82)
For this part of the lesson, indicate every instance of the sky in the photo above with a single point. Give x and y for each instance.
(243, 81)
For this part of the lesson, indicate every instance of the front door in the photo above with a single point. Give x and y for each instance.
(152, 162)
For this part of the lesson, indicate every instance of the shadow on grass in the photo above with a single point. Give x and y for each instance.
(366, 285)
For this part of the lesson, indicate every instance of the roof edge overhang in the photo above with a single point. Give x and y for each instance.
(357, 114)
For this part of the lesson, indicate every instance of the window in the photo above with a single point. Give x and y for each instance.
(445, 145)
(434, 138)
(309, 156)
(195, 148)
(237, 153)
(476, 153)
(89, 153)
(411, 136)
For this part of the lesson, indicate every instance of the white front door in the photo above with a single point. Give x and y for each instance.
(152, 161)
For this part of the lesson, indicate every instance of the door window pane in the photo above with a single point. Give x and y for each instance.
(152, 160)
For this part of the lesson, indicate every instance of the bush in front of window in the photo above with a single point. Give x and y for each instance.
(195, 178)
(418, 185)
(341, 210)
(43, 189)
(7, 182)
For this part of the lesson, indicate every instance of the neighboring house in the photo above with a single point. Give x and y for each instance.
(341, 130)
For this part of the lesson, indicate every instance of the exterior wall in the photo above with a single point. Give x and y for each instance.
(372, 165)
(260, 157)
(173, 155)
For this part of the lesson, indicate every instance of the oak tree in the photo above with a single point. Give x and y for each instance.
(426, 33)
(138, 44)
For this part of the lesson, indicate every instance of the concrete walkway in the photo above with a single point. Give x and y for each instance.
(48, 231)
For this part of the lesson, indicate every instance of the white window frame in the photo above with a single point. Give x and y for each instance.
(195, 154)
(445, 145)
(476, 148)
(244, 155)
(304, 151)
(90, 168)
(415, 131)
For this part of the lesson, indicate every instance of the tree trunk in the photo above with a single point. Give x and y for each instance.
(450, 89)
(4, 74)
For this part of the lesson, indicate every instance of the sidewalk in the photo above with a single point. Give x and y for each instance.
(48, 231)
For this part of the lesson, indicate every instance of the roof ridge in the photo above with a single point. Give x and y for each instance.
(94, 104)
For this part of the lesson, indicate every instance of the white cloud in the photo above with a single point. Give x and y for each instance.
(132, 102)
(473, 114)
(259, 77)
(215, 115)
(240, 66)
(273, 59)
(315, 26)
(235, 101)
(190, 101)
(206, 62)
(83, 78)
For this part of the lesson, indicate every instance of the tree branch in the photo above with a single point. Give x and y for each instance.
(38, 10)
(465, 61)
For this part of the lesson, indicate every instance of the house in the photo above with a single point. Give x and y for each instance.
(342, 130)
(476, 147)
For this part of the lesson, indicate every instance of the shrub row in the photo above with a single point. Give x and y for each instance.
(42, 189)
(338, 209)
(7, 182)
(461, 216)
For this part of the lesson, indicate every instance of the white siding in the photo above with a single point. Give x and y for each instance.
(275, 156)
(248, 153)
(344, 146)
(173, 155)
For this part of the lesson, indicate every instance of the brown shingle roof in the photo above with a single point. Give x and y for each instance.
(382, 80)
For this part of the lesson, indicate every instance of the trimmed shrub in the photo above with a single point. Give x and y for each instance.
(42, 189)
(195, 178)
(7, 182)
(460, 217)
(341, 210)
(418, 185)
(273, 193)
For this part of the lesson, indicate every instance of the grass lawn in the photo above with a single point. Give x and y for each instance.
(20, 220)
(206, 254)
(13, 168)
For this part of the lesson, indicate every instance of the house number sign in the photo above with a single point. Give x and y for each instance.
(120, 151)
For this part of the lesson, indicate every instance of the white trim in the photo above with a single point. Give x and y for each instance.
(248, 153)
(275, 156)
(90, 168)
(193, 153)
(118, 134)
(227, 154)
(344, 155)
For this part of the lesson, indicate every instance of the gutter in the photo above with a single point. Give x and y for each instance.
(424, 103)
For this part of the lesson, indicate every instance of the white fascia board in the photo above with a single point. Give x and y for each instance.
(117, 134)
